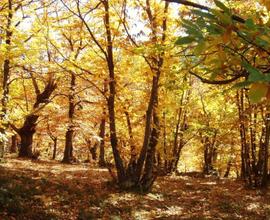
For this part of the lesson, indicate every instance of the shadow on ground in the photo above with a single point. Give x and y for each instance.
(49, 190)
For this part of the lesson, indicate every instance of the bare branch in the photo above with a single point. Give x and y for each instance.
(218, 82)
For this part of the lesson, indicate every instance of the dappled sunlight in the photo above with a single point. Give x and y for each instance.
(169, 211)
(70, 190)
(253, 206)
(142, 215)
(210, 183)
(157, 213)
(50, 167)
(126, 110)
(114, 199)
(156, 196)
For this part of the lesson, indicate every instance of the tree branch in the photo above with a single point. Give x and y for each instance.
(202, 7)
(217, 82)
(14, 127)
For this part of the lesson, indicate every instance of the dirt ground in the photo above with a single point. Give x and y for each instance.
(50, 190)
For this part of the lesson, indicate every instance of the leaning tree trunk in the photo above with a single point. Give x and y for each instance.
(111, 100)
(149, 176)
(150, 137)
(141, 176)
(27, 131)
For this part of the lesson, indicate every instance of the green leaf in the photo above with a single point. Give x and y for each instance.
(203, 14)
(222, 6)
(189, 23)
(192, 29)
(184, 40)
(214, 29)
(193, 32)
(254, 74)
(224, 18)
(253, 77)
(201, 23)
(261, 42)
(250, 24)
(199, 48)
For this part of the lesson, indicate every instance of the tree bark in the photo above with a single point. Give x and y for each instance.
(102, 162)
(228, 169)
(26, 133)
(148, 128)
(111, 100)
(93, 150)
(133, 155)
(149, 176)
(28, 129)
(240, 104)
(132, 178)
(54, 148)
(70, 130)
(14, 144)
(5, 82)
(68, 146)
(265, 177)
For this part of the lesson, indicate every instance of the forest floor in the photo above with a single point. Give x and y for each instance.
(50, 190)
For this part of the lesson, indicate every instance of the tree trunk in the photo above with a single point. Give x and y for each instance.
(68, 146)
(14, 144)
(254, 160)
(68, 156)
(229, 165)
(5, 84)
(240, 104)
(102, 162)
(54, 148)
(149, 176)
(148, 129)
(111, 100)
(132, 178)
(93, 150)
(265, 177)
(26, 133)
(26, 144)
(133, 154)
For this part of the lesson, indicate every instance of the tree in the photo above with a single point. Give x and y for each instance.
(6, 73)
(139, 172)
(28, 129)
(236, 60)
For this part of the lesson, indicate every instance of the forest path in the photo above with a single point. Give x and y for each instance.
(49, 190)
